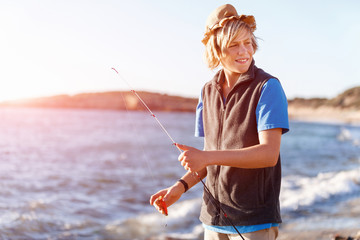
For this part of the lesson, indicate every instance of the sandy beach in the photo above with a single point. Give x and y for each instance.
(324, 114)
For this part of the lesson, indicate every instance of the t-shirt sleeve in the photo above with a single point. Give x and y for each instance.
(199, 127)
(271, 111)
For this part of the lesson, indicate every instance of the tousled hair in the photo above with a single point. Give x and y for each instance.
(222, 37)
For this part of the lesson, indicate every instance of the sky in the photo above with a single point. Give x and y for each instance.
(52, 47)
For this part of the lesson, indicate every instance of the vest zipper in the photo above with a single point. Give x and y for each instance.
(218, 168)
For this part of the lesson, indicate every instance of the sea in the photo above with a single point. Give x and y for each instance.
(89, 174)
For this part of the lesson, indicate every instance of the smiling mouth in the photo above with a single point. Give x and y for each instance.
(242, 60)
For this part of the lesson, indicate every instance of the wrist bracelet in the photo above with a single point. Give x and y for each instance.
(186, 186)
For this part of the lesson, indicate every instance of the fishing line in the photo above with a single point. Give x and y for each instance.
(142, 149)
(136, 139)
(146, 106)
(213, 199)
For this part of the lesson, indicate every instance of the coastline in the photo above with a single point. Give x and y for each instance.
(116, 100)
(324, 115)
(344, 108)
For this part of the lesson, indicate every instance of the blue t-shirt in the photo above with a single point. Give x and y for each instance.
(271, 112)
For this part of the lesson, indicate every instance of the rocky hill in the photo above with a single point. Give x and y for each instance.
(343, 108)
(350, 100)
(110, 100)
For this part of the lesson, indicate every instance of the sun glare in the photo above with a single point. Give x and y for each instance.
(13, 93)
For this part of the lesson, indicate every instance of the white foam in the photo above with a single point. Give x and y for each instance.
(344, 134)
(349, 135)
(184, 209)
(179, 222)
(304, 191)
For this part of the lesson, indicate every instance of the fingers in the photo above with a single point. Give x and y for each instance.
(166, 197)
(185, 152)
(186, 166)
(152, 199)
(158, 201)
(182, 147)
(184, 159)
(155, 196)
(160, 205)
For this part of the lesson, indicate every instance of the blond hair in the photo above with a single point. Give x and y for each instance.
(222, 37)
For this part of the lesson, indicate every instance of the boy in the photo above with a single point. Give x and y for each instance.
(242, 114)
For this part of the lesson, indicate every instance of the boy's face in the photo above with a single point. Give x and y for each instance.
(238, 55)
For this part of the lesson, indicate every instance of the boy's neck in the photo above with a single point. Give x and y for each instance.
(230, 78)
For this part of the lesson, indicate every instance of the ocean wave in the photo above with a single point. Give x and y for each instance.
(181, 221)
(348, 134)
(300, 191)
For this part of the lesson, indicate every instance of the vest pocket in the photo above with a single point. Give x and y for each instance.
(247, 190)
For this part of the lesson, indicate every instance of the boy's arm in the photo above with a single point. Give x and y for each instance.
(192, 179)
(264, 154)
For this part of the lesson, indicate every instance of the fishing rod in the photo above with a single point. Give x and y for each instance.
(214, 200)
(146, 106)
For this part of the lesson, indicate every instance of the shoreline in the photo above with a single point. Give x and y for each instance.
(324, 115)
(343, 109)
(298, 113)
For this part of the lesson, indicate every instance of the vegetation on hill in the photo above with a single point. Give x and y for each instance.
(110, 100)
(348, 100)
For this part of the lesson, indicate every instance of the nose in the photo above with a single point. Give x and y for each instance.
(242, 49)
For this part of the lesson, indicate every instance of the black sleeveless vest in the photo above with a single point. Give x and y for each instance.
(248, 196)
